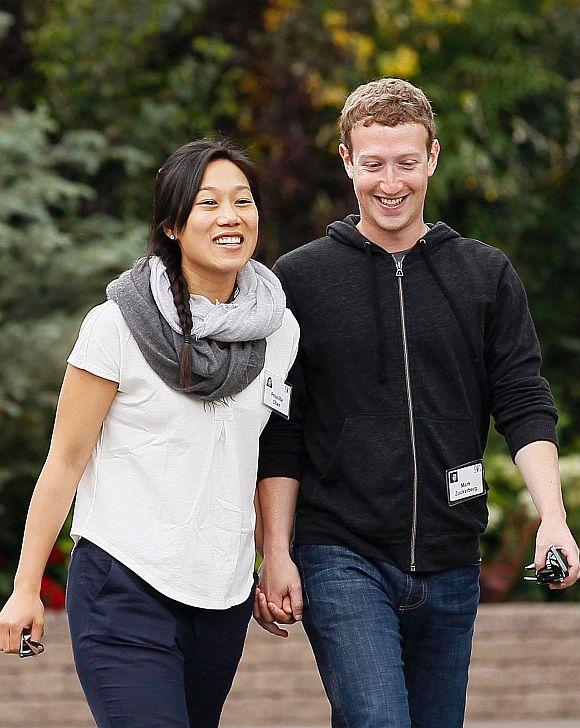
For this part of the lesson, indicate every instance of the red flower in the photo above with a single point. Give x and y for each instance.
(57, 556)
(51, 593)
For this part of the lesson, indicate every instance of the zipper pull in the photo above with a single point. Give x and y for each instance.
(399, 264)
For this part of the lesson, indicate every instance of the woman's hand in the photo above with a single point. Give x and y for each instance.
(83, 405)
(266, 615)
(23, 610)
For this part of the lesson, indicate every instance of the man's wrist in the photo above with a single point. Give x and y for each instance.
(557, 517)
(276, 549)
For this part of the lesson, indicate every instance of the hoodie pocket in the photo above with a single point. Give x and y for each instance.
(370, 473)
(441, 446)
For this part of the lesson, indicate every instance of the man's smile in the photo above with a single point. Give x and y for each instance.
(391, 203)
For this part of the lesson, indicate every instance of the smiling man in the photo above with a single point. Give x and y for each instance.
(412, 337)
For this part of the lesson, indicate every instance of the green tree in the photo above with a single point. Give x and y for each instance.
(57, 251)
(95, 95)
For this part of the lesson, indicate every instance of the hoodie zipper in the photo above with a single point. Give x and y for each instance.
(399, 274)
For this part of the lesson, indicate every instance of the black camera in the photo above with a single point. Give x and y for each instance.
(555, 570)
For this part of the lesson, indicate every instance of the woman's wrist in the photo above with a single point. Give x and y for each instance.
(24, 584)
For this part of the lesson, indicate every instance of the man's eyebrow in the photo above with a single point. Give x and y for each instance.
(209, 188)
(379, 155)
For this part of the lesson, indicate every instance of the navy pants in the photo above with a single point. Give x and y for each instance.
(144, 660)
(392, 648)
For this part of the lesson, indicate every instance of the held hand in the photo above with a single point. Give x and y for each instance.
(22, 610)
(265, 617)
(280, 582)
(279, 595)
(558, 534)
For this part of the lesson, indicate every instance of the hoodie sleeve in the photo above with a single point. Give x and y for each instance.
(282, 440)
(521, 401)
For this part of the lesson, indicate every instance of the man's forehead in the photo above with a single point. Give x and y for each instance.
(378, 139)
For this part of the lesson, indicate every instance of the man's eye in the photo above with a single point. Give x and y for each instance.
(408, 165)
(372, 165)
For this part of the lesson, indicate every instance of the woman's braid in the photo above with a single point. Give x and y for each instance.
(172, 259)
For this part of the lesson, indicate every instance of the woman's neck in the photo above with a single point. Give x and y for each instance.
(213, 287)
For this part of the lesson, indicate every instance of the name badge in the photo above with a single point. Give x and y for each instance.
(277, 394)
(465, 482)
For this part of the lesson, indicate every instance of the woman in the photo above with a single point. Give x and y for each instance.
(157, 424)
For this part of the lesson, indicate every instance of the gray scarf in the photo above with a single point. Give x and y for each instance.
(228, 342)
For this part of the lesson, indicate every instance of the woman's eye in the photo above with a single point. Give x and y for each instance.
(207, 202)
(244, 202)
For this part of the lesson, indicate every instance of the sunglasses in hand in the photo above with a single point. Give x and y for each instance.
(28, 647)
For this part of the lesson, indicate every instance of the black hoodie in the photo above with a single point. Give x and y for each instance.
(398, 371)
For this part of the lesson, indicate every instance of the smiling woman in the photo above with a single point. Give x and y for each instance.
(207, 193)
(160, 586)
(221, 231)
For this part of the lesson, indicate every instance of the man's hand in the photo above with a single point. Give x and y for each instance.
(558, 534)
(279, 594)
(280, 582)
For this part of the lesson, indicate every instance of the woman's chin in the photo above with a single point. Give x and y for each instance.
(232, 260)
(230, 267)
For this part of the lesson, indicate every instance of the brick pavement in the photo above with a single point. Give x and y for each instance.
(524, 655)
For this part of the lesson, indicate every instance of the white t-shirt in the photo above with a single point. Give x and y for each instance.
(169, 487)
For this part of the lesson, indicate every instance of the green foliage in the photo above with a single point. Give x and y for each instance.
(57, 251)
(97, 94)
(508, 544)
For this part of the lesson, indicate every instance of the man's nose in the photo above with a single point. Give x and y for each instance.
(391, 181)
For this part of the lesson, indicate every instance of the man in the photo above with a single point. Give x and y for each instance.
(411, 336)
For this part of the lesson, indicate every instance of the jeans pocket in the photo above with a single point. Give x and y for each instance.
(97, 567)
(297, 560)
(70, 569)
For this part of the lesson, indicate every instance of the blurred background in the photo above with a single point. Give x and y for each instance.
(95, 94)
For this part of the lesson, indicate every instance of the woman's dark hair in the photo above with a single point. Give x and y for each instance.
(176, 188)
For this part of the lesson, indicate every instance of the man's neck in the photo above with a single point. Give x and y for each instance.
(393, 241)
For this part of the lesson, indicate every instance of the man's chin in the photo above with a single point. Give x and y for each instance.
(391, 224)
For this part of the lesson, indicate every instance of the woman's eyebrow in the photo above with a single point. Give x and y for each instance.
(217, 189)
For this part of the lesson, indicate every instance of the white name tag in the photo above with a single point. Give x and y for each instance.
(277, 394)
(465, 482)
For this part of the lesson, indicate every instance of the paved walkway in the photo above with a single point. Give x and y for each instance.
(492, 724)
(527, 724)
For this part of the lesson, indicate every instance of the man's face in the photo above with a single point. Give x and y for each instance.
(390, 168)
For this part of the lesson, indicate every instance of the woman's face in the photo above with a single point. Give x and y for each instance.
(221, 232)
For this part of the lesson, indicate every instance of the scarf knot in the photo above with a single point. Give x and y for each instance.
(227, 341)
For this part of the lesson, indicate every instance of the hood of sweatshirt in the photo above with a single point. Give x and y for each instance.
(346, 232)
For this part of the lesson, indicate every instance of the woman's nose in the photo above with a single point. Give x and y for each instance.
(228, 215)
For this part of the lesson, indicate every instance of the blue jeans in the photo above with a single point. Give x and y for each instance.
(144, 659)
(392, 648)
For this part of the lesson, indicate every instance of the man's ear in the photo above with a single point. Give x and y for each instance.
(433, 157)
(344, 152)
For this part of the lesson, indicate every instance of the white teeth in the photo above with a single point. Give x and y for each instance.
(391, 201)
(233, 240)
